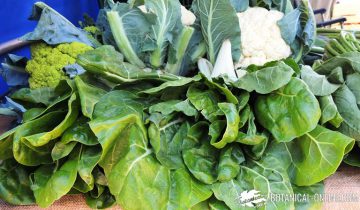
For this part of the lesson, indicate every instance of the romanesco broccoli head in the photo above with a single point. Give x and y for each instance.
(47, 63)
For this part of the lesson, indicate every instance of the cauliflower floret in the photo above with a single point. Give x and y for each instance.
(261, 39)
(187, 17)
(47, 63)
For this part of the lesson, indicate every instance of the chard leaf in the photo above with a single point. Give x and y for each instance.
(166, 138)
(50, 183)
(15, 183)
(312, 157)
(126, 156)
(318, 84)
(311, 192)
(259, 177)
(88, 160)
(166, 17)
(266, 79)
(116, 103)
(89, 96)
(33, 156)
(218, 22)
(289, 112)
(345, 101)
(183, 81)
(103, 201)
(204, 101)
(232, 126)
(349, 62)
(171, 106)
(352, 82)
(329, 111)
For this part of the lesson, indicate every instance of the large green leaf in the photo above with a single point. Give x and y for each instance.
(312, 157)
(289, 112)
(259, 177)
(352, 82)
(50, 183)
(345, 101)
(310, 192)
(168, 107)
(88, 160)
(205, 101)
(349, 62)
(89, 96)
(329, 111)
(232, 126)
(118, 102)
(318, 84)
(166, 138)
(6, 144)
(134, 170)
(266, 79)
(15, 183)
(28, 154)
(218, 22)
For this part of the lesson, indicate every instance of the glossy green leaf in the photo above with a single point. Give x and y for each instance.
(49, 183)
(182, 81)
(329, 111)
(171, 106)
(232, 126)
(310, 192)
(345, 101)
(289, 112)
(15, 183)
(229, 162)
(266, 79)
(312, 157)
(204, 101)
(317, 83)
(166, 139)
(89, 96)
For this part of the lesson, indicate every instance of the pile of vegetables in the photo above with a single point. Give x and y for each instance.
(169, 108)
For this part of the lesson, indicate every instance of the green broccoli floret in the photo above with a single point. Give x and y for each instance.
(47, 63)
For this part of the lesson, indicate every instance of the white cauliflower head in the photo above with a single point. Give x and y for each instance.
(261, 39)
(187, 17)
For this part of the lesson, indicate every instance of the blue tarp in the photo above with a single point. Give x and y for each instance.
(14, 19)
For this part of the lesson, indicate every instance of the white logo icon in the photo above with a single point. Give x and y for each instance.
(251, 198)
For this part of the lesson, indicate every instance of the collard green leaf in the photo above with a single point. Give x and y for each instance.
(267, 79)
(79, 132)
(61, 150)
(312, 157)
(318, 84)
(229, 162)
(289, 112)
(49, 183)
(345, 101)
(218, 22)
(15, 183)
(329, 111)
(205, 101)
(129, 29)
(53, 28)
(252, 136)
(89, 96)
(232, 126)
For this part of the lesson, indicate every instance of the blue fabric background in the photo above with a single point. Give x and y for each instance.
(14, 22)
